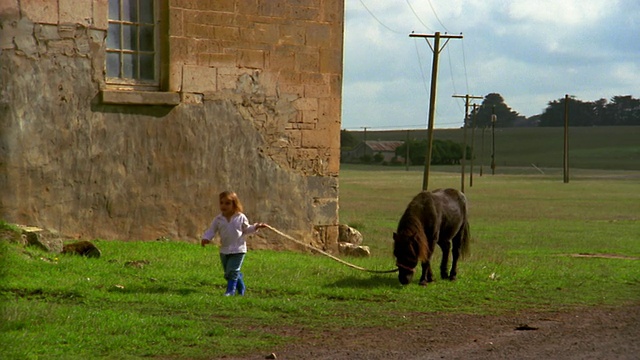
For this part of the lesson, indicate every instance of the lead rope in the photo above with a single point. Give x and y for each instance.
(327, 254)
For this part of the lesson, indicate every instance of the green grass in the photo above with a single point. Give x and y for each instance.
(602, 147)
(523, 227)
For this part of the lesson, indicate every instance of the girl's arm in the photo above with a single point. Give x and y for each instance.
(209, 234)
(250, 228)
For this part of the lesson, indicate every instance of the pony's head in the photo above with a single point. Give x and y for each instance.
(408, 250)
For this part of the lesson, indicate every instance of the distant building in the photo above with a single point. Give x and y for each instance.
(370, 147)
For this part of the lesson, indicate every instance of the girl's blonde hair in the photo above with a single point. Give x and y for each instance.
(237, 205)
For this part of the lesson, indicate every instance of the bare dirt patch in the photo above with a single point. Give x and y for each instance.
(590, 333)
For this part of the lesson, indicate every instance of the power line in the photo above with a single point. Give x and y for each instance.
(437, 18)
(390, 127)
(464, 62)
(424, 79)
(453, 82)
(378, 20)
(417, 17)
(395, 127)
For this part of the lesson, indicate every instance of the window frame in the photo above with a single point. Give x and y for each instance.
(159, 51)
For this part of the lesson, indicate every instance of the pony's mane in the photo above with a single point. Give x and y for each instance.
(411, 227)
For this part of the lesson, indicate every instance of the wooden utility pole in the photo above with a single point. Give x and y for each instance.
(432, 98)
(464, 131)
(473, 141)
(364, 142)
(406, 155)
(494, 118)
(566, 139)
(482, 151)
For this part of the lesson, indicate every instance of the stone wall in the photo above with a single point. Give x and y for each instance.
(251, 103)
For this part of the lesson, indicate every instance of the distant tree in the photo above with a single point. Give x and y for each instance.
(417, 151)
(623, 110)
(600, 109)
(494, 103)
(580, 113)
(366, 159)
(347, 140)
(444, 152)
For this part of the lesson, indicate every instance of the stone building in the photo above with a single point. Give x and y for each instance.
(386, 149)
(124, 119)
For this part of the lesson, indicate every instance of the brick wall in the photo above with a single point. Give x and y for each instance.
(251, 103)
(295, 46)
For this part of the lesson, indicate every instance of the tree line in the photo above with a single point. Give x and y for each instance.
(619, 111)
(444, 152)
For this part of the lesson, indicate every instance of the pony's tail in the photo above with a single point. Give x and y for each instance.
(465, 240)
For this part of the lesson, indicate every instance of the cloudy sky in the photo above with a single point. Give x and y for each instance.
(529, 51)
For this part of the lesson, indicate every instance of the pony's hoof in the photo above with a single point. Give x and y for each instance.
(452, 278)
(423, 283)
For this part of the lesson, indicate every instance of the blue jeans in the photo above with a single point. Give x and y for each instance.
(232, 263)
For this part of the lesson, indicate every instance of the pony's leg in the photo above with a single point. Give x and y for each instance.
(455, 255)
(444, 264)
(427, 275)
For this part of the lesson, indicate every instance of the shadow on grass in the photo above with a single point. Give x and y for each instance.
(374, 281)
(150, 290)
(43, 294)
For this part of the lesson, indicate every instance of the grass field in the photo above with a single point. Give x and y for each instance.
(612, 147)
(525, 229)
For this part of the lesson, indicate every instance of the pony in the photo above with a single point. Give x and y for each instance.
(439, 216)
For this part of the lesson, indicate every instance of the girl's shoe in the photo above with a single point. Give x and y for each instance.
(240, 288)
(231, 287)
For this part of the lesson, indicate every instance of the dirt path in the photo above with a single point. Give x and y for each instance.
(595, 333)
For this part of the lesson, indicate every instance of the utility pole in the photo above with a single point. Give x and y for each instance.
(464, 131)
(406, 155)
(494, 118)
(432, 98)
(364, 142)
(473, 140)
(566, 139)
(482, 151)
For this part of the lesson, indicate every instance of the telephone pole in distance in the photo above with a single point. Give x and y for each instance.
(432, 98)
(464, 131)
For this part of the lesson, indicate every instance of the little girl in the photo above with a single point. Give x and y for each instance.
(232, 226)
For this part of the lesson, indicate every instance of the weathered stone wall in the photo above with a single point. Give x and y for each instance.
(259, 87)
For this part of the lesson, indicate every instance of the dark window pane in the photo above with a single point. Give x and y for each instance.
(146, 38)
(146, 11)
(114, 9)
(113, 36)
(129, 37)
(129, 10)
(128, 66)
(147, 67)
(131, 41)
(113, 64)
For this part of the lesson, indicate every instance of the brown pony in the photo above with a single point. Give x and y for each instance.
(439, 216)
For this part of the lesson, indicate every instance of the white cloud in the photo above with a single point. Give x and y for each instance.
(531, 52)
(559, 13)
